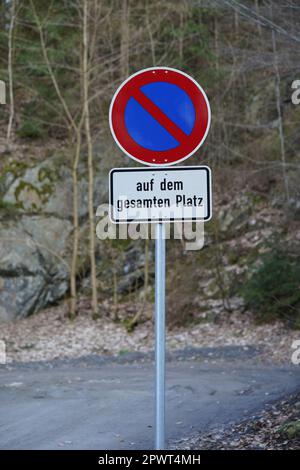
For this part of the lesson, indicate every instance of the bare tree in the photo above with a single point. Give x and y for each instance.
(73, 271)
(150, 33)
(75, 130)
(10, 69)
(124, 59)
(279, 113)
(86, 79)
(259, 27)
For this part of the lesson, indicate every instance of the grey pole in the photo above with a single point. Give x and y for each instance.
(160, 276)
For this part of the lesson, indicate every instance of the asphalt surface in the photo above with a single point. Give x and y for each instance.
(102, 403)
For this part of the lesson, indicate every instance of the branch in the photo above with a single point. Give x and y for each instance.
(50, 69)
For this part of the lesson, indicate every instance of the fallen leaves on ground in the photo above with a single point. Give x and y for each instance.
(277, 427)
(50, 334)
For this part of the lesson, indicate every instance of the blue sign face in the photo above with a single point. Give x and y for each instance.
(146, 131)
(159, 116)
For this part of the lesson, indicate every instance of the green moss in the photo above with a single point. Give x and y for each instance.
(120, 245)
(130, 323)
(255, 199)
(45, 192)
(122, 352)
(291, 429)
(46, 173)
(39, 195)
(23, 186)
(8, 208)
(16, 168)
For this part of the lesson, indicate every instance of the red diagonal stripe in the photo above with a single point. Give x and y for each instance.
(159, 116)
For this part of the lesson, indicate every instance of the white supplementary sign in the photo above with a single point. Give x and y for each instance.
(160, 194)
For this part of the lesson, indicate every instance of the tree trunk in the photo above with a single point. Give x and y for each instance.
(73, 271)
(90, 157)
(10, 69)
(124, 59)
(259, 28)
(76, 130)
(151, 38)
(280, 119)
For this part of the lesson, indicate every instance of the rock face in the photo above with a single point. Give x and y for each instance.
(36, 242)
(32, 270)
(47, 188)
(35, 234)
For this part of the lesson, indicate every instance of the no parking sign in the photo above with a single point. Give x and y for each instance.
(159, 116)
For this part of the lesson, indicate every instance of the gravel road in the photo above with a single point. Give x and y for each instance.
(108, 403)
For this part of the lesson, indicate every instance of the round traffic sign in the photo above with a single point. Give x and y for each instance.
(159, 116)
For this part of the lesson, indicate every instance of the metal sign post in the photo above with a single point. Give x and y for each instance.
(160, 327)
(160, 195)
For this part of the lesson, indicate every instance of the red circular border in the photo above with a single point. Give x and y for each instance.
(166, 157)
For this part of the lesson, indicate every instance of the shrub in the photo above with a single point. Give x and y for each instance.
(273, 287)
(30, 129)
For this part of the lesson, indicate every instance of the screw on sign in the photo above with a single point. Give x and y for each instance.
(159, 116)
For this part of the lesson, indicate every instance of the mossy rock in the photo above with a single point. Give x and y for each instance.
(28, 188)
(8, 209)
(291, 429)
